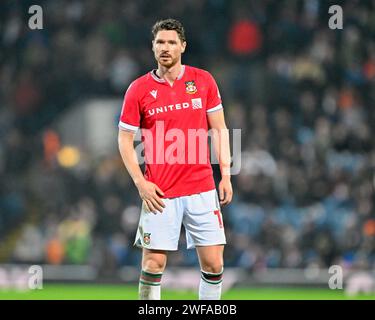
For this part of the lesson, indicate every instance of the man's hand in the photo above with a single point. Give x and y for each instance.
(225, 191)
(150, 194)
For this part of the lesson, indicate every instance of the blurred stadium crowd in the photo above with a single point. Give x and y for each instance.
(302, 94)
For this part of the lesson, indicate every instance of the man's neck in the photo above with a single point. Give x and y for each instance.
(169, 74)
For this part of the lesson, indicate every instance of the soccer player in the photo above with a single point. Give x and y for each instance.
(170, 105)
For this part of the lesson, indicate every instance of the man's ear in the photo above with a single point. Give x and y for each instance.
(152, 45)
(183, 46)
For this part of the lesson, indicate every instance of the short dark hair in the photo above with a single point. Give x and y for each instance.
(169, 24)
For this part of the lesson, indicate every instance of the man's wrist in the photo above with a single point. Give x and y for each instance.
(226, 177)
(225, 170)
(139, 181)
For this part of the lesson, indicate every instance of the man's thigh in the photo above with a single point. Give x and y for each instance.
(160, 231)
(203, 220)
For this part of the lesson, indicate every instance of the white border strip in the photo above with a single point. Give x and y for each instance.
(156, 78)
(218, 107)
(125, 126)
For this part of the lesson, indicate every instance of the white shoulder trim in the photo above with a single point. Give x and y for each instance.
(125, 126)
(218, 107)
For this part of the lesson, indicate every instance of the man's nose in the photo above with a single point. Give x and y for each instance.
(165, 47)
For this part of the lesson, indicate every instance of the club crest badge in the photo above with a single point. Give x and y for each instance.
(190, 87)
(146, 238)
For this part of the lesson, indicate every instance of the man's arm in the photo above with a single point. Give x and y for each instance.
(220, 139)
(148, 191)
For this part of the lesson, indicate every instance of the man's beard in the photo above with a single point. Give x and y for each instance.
(168, 64)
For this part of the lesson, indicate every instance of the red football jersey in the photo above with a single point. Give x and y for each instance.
(173, 120)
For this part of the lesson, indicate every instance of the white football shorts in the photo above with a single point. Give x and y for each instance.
(199, 213)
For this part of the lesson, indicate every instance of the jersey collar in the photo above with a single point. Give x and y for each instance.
(156, 78)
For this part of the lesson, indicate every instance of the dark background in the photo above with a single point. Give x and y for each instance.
(302, 94)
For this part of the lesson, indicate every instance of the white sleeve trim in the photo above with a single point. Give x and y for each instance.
(125, 126)
(218, 107)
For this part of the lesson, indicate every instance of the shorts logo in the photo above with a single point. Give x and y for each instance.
(146, 238)
(190, 87)
(197, 103)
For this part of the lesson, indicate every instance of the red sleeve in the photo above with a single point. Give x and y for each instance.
(130, 113)
(213, 95)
